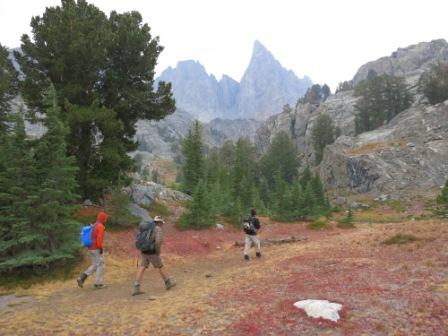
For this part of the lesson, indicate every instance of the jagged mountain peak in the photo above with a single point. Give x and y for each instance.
(260, 50)
(265, 87)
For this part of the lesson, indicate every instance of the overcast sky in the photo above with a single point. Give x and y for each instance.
(328, 40)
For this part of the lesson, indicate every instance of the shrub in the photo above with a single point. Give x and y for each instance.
(400, 238)
(434, 84)
(319, 224)
(347, 222)
(157, 208)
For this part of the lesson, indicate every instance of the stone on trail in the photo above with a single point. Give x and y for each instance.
(320, 308)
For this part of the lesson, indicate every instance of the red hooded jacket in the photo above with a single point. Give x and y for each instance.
(98, 231)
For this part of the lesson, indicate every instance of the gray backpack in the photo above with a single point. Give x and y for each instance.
(145, 240)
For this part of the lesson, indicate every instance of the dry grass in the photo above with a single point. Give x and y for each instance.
(374, 216)
(374, 147)
(400, 238)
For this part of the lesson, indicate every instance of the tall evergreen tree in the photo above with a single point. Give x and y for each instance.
(322, 134)
(200, 210)
(305, 177)
(318, 190)
(8, 87)
(434, 83)
(41, 195)
(192, 150)
(243, 170)
(381, 99)
(280, 157)
(17, 186)
(103, 72)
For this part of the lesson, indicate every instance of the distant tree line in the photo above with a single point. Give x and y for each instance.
(230, 180)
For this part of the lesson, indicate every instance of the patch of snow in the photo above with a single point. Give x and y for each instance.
(320, 308)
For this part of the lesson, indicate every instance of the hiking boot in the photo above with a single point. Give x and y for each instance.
(99, 286)
(258, 254)
(246, 257)
(82, 277)
(137, 290)
(169, 284)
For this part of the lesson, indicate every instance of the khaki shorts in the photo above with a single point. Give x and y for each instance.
(153, 259)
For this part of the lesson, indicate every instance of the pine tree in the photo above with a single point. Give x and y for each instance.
(193, 167)
(200, 210)
(305, 177)
(318, 191)
(39, 197)
(17, 183)
(280, 157)
(322, 134)
(8, 87)
(243, 170)
(347, 222)
(264, 192)
(434, 83)
(296, 199)
(103, 71)
(308, 202)
(381, 99)
(55, 198)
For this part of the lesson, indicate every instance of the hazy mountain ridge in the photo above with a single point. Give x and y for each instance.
(264, 88)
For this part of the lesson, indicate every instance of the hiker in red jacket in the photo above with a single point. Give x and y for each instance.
(96, 253)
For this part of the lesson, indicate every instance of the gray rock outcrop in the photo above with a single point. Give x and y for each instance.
(411, 152)
(408, 62)
(144, 193)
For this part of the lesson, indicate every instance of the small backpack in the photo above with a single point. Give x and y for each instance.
(87, 235)
(145, 240)
(249, 227)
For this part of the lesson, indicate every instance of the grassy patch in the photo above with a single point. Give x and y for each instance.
(373, 216)
(27, 278)
(397, 205)
(343, 224)
(400, 238)
(374, 147)
(318, 224)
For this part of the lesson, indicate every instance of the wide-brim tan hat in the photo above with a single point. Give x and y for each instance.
(159, 219)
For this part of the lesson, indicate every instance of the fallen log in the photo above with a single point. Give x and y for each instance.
(291, 239)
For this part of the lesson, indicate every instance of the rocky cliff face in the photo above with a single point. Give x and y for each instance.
(298, 123)
(385, 159)
(265, 87)
(411, 152)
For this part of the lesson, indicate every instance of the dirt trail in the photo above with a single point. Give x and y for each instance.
(385, 290)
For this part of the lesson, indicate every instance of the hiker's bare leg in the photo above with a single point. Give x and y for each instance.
(163, 273)
(139, 275)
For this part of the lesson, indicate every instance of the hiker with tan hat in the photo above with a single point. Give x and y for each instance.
(149, 241)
